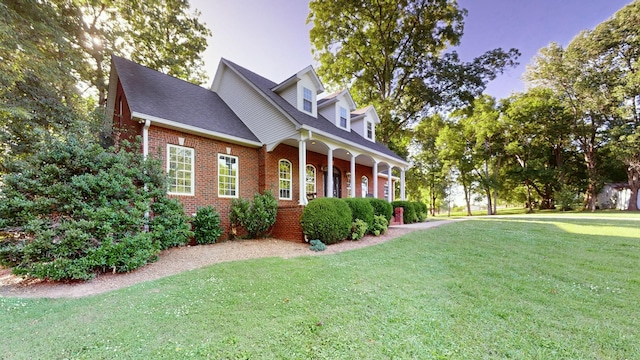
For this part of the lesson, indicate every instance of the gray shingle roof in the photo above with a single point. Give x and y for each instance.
(156, 94)
(321, 123)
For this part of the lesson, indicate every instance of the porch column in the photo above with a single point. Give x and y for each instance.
(402, 192)
(375, 179)
(352, 180)
(302, 171)
(329, 189)
(389, 185)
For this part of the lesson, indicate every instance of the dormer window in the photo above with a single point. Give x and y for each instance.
(307, 100)
(369, 130)
(343, 117)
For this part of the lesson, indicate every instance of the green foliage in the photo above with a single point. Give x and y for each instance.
(361, 209)
(380, 225)
(170, 224)
(421, 210)
(207, 225)
(409, 215)
(257, 216)
(358, 229)
(326, 219)
(381, 207)
(74, 209)
(317, 245)
(566, 198)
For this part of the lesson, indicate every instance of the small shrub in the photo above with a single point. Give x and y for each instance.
(566, 198)
(358, 229)
(409, 216)
(206, 225)
(380, 225)
(381, 207)
(317, 245)
(326, 219)
(361, 209)
(257, 216)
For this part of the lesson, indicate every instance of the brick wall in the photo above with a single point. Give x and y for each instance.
(287, 225)
(206, 169)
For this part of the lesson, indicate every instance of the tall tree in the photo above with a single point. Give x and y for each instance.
(617, 41)
(391, 54)
(428, 173)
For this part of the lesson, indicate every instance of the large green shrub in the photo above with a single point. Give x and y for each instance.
(170, 224)
(409, 215)
(361, 209)
(74, 209)
(257, 216)
(421, 210)
(381, 207)
(327, 220)
(206, 225)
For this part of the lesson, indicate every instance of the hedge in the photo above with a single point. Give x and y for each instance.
(327, 220)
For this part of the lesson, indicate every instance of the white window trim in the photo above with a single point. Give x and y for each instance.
(315, 175)
(362, 187)
(310, 100)
(366, 130)
(346, 117)
(290, 180)
(192, 185)
(237, 177)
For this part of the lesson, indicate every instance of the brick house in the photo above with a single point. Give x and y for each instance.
(247, 134)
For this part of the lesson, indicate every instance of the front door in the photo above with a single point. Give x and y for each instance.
(337, 186)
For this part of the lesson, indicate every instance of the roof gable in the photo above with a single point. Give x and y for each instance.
(153, 94)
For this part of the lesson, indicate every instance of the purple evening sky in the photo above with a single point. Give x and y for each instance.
(272, 39)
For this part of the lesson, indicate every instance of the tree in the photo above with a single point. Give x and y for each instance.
(617, 41)
(455, 150)
(390, 53)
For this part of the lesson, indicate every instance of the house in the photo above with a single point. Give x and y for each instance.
(615, 196)
(247, 134)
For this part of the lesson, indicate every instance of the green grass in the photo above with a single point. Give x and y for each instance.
(554, 213)
(515, 288)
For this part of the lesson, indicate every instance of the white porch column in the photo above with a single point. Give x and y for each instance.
(375, 179)
(352, 180)
(402, 191)
(329, 189)
(389, 185)
(302, 171)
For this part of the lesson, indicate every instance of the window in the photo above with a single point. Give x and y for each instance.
(284, 176)
(365, 186)
(343, 117)
(180, 170)
(227, 176)
(310, 180)
(307, 100)
(369, 131)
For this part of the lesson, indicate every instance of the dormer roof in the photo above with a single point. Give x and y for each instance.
(335, 97)
(369, 111)
(298, 76)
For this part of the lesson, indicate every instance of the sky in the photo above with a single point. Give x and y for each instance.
(271, 37)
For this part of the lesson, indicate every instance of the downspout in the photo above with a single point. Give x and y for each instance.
(145, 154)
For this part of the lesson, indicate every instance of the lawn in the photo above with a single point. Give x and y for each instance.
(521, 288)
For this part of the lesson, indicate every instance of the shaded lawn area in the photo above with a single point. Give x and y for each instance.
(478, 289)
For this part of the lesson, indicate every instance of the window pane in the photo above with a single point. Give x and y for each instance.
(180, 170)
(227, 176)
(284, 175)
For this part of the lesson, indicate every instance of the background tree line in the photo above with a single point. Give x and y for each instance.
(574, 128)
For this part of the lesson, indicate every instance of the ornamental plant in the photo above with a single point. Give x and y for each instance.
(327, 220)
(361, 209)
(73, 210)
(257, 216)
(358, 229)
(206, 225)
(381, 207)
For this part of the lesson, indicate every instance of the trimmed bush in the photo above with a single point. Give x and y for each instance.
(409, 216)
(327, 220)
(421, 211)
(361, 209)
(74, 209)
(381, 207)
(358, 229)
(380, 225)
(317, 245)
(206, 225)
(257, 216)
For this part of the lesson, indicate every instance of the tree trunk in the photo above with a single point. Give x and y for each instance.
(529, 205)
(489, 203)
(495, 202)
(590, 195)
(466, 198)
(633, 176)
